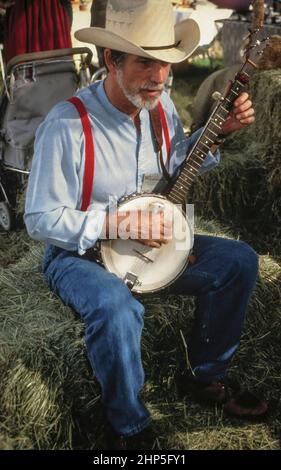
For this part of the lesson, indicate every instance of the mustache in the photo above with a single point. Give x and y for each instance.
(152, 87)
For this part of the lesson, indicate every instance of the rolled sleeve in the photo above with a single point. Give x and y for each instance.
(93, 229)
(54, 193)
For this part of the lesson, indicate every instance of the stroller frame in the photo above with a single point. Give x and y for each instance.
(45, 60)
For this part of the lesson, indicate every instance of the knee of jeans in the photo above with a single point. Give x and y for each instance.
(119, 305)
(248, 260)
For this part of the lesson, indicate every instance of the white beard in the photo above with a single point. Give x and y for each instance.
(135, 97)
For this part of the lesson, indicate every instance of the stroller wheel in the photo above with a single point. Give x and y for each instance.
(5, 216)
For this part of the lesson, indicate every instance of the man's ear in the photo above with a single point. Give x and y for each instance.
(110, 65)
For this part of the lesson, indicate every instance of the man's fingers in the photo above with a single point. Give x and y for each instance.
(249, 120)
(242, 114)
(150, 243)
(245, 114)
(243, 107)
(241, 99)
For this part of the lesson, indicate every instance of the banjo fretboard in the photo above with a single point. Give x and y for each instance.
(177, 191)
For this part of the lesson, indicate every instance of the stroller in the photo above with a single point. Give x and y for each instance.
(33, 84)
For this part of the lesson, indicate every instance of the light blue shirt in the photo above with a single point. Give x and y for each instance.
(123, 155)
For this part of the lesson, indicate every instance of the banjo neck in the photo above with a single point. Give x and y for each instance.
(178, 190)
(190, 169)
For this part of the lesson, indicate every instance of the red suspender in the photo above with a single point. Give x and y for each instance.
(89, 168)
(165, 130)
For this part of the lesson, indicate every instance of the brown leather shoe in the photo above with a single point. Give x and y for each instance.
(246, 405)
(203, 392)
(235, 401)
(209, 393)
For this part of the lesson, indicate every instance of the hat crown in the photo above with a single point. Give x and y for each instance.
(145, 28)
(148, 23)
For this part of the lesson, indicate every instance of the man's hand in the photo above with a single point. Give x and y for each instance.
(242, 115)
(149, 228)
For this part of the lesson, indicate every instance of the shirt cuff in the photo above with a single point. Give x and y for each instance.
(92, 231)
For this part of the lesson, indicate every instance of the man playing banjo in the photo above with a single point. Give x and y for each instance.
(100, 147)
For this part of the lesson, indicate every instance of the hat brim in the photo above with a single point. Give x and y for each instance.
(187, 32)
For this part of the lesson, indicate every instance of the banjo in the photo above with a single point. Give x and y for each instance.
(145, 269)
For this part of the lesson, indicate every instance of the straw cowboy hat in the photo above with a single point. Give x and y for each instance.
(145, 28)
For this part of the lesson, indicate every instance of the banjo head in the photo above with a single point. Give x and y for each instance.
(150, 269)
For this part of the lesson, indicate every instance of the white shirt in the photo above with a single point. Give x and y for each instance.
(123, 155)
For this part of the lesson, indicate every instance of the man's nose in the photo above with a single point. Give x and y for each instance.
(159, 73)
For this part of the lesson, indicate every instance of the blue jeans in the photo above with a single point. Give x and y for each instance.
(222, 279)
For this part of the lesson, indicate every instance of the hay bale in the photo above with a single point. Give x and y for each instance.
(49, 398)
(41, 356)
(169, 315)
(6, 443)
(13, 245)
(168, 323)
(244, 191)
(203, 102)
(248, 438)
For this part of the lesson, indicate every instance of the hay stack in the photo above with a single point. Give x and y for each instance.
(244, 192)
(41, 356)
(13, 245)
(50, 400)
